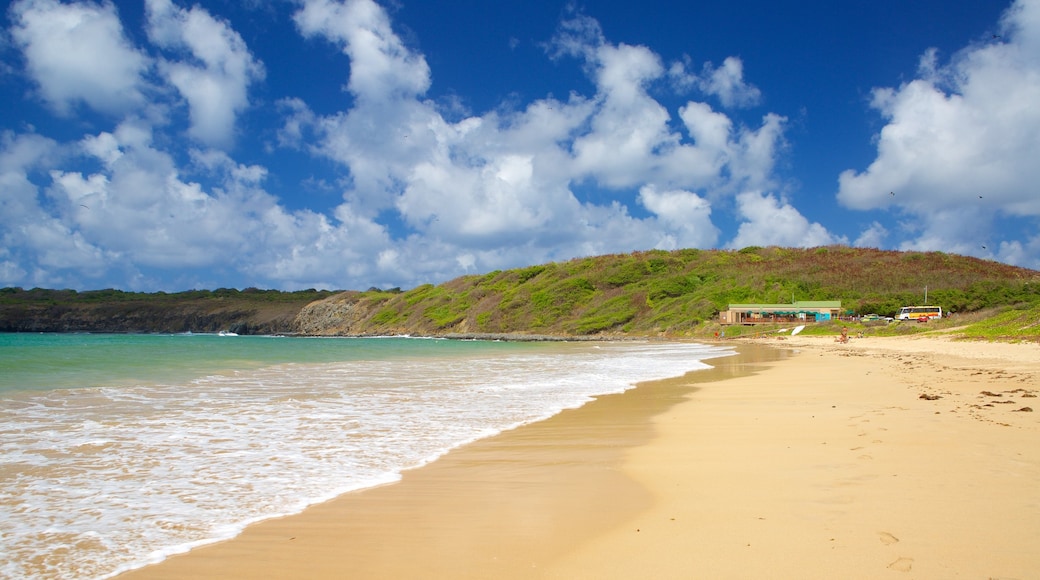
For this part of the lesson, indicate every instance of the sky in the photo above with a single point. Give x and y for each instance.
(162, 145)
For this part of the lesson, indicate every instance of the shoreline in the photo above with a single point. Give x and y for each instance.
(795, 458)
(565, 469)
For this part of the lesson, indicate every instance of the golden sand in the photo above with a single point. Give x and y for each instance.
(902, 458)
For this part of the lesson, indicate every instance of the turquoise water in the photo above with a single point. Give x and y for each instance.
(119, 450)
(54, 360)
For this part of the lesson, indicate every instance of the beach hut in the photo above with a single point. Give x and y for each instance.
(800, 311)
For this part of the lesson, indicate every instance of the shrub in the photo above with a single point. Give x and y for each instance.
(526, 274)
(611, 314)
(387, 317)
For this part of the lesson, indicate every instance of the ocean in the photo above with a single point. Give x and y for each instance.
(117, 451)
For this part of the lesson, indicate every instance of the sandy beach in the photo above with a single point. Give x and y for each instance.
(798, 458)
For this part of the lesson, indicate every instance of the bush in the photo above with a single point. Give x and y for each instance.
(611, 314)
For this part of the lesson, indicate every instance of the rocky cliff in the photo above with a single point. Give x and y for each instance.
(343, 314)
(260, 312)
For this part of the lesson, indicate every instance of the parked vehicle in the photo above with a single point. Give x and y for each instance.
(919, 312)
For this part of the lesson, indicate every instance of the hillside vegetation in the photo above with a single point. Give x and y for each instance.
(654, 293)
(249, 311)
(676, 293)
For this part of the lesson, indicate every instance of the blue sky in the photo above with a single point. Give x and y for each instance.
(165, 145)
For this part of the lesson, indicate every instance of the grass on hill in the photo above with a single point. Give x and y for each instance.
(1019, 322)
(680, 293)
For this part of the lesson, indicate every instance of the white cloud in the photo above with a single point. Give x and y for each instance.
(297, 118)
(685, 215)
(166, 221)
(1023, 253)
(1022, 20)
(217, 88)
(629, 125)
(60, 248)
(78, 53)
(11, 272)
(756, 151)
(219, 162)
(381, 66)
(143, 214)
(772, 222)
(955, 229)
(630, 140)
(306, 249)
(19, 153)
(725, 82)
(474, 192)
(499, 187)
(961, 141)
(872, 237)
(578, 36)
(29, 233)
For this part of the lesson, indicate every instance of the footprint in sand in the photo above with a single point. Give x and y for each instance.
(887, 538)
(902, 565)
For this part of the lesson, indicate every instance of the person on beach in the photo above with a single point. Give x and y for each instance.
(844, 335)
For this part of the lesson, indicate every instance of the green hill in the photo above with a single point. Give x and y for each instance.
(655, 293)
(676, 293)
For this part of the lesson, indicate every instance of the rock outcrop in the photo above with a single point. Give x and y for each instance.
(338, 315)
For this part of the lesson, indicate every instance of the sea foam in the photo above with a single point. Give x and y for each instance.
(101, 480)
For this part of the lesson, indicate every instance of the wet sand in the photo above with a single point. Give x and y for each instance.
(798, 458)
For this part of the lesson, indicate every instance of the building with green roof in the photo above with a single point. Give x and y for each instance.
(800, 311)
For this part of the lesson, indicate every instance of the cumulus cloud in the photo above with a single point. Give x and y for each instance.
(78, 53)
(500, 185)
(489, 182)
(37, 244)
(725, 82)
(135, 212)
(138, 187)
(381, 66)
(463, 193)
(631, 140)
(957, 229)
(629, 124)
(686, 215)
(960, 142)
(1019, 252)
(872, 237)
(216, 80)
(770, 221)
